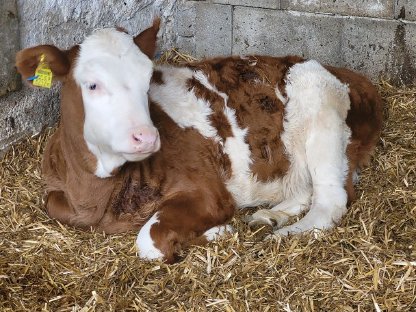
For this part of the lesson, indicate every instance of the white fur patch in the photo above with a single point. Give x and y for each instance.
(187, 110)
(217, 231)
(316, 137)
(144, 242)
(280, 95)
(106, 163)
(199, 75)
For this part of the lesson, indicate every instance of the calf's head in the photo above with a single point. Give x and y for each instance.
(112, 70)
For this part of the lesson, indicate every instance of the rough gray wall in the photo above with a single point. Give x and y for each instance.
(9, 38)
(65, 23)
(374, 37)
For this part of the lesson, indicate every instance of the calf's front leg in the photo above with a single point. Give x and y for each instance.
(58, 208)
(184, 219)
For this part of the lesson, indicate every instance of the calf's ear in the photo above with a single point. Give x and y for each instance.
(146, 40)
(59, 61)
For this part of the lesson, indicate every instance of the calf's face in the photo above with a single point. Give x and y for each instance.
(113, 71)
(114, 77)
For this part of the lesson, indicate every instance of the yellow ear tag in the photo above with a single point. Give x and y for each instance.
(43, 74)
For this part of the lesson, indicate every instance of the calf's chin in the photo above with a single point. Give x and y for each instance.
(108, 161)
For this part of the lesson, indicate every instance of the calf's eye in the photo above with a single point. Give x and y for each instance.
(92, 86)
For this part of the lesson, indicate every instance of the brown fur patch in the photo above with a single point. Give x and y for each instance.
(133, 194)
(157, 77)
(218, 118)
(220, 122)
(365, 119)
(249, 76)
(249, 84)
(268, 104)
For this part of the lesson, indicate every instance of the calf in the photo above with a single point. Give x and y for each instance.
(172, 150)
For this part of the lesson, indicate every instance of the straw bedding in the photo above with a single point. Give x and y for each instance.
(366, 263)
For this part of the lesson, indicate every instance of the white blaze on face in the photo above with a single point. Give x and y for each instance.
(114, 76)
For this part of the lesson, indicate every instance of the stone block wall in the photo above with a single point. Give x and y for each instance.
(375, 37)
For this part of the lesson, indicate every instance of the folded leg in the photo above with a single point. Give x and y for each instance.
(320, 103)
(187, 218)
(280, 214)
(328, 167)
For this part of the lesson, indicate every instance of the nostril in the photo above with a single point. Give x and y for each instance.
(137, 137)
(144, 138)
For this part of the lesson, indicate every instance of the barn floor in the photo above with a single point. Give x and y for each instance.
(367, 263)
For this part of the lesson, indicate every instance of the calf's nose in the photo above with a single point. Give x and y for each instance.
(145, 138)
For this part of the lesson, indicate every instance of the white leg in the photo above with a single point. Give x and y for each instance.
(324, 213)
(328, 166)
(317, 108)
(217, 231)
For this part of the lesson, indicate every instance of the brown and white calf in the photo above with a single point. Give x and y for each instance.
(173, 150)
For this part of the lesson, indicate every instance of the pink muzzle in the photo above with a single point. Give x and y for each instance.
(145, 139)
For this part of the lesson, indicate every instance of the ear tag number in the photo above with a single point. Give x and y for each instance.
(43, 74)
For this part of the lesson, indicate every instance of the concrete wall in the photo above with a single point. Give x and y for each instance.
(375, 37)
(9, 38)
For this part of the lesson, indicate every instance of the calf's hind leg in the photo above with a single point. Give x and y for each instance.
(328, 166)
(325, 100)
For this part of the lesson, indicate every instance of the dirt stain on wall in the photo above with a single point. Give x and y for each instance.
(401, 65)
